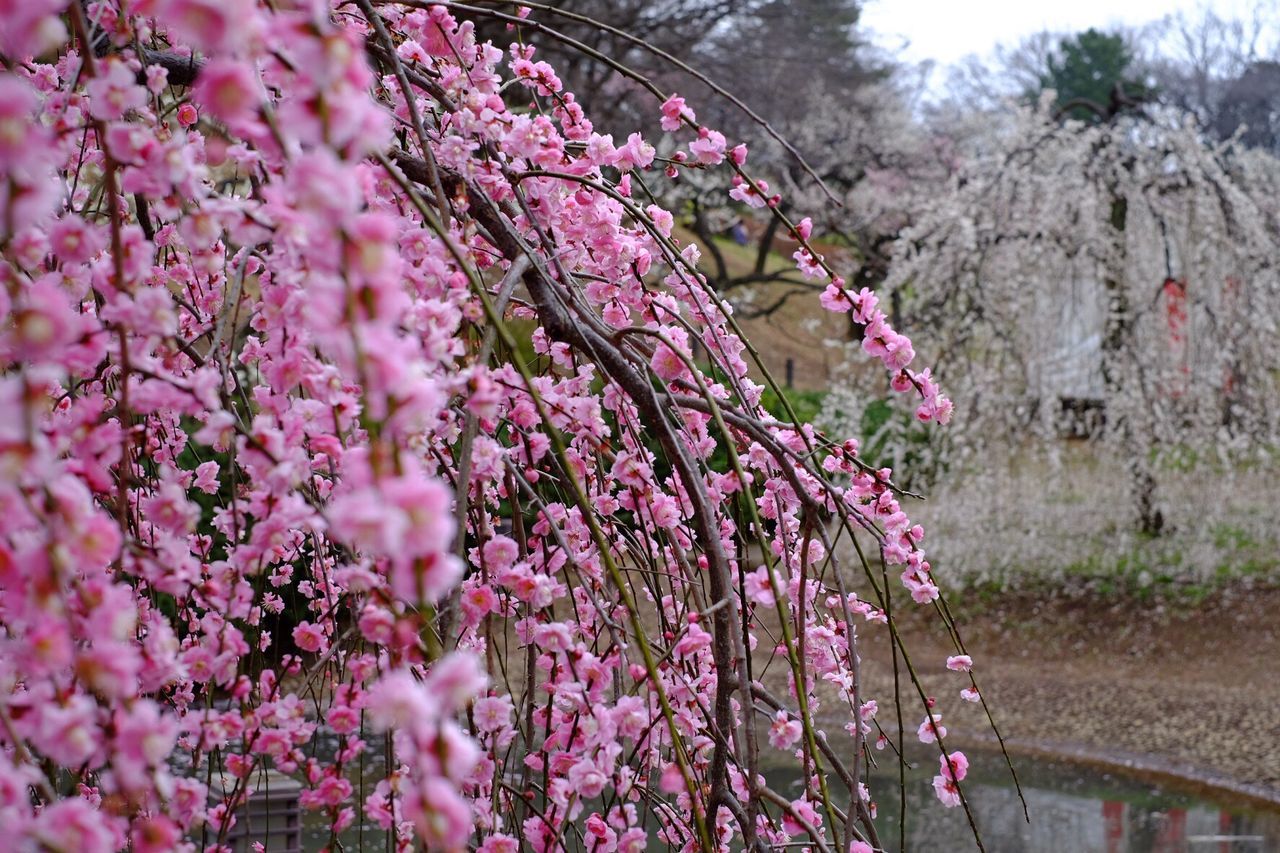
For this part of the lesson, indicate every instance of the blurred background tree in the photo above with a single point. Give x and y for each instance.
(1094, 75)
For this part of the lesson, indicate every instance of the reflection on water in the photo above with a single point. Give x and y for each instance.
(1072, 808)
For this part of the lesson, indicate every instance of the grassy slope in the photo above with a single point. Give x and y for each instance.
(797, 331)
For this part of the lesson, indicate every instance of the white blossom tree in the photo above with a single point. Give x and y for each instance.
(1125, 269)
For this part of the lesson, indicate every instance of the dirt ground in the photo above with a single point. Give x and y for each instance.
(1182, 691)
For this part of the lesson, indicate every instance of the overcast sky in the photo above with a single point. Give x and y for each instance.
(948, 30)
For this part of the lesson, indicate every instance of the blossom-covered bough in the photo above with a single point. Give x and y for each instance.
(358, 414)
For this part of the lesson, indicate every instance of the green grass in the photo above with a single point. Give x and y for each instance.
(806, 404)
(1148, 569)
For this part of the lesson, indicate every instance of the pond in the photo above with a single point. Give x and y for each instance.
(1075, 808)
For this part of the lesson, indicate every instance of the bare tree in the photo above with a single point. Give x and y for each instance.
(1223, 71)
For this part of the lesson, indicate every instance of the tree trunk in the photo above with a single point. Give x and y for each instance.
(1117, 339)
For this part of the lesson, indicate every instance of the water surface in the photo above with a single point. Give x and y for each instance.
(1073, 809)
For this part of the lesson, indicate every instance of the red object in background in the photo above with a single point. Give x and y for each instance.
(1113, 821)
(1172, 836)
(1175, 305)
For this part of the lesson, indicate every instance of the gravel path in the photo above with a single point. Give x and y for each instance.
(1173, 689)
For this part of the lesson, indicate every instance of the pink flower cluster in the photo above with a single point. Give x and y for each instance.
(281, 489)
(893, 349)
(953, 768)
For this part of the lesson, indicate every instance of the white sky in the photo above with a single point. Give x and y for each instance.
(948, 30)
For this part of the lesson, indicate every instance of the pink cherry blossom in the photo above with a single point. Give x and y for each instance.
(947, 792)
(931, 729)
(285, 489)
(674, 111)
(708, 147)
(228, 90)
(114, 92)
(784, 732)
(31, 29)
(954, 766)
(210, 25)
